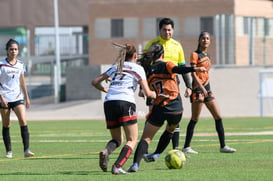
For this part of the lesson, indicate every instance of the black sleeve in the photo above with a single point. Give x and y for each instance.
(187, 80)
(182, 69)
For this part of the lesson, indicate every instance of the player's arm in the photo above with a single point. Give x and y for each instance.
(146, 90)
(187, 79)
(194, 60)
(97, 82)
(24, 89)
(186, 76)
(183, 69)
(198, 82)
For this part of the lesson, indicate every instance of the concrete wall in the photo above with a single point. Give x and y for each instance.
(78, 83)
(236, 90)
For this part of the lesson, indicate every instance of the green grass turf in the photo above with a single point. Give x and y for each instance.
(68, 150)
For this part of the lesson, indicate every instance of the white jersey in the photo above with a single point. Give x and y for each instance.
(10, 80)
(123, 86)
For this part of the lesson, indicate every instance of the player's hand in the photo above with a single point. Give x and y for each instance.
(200, 69)
(163, 95)
(108, 79)
(27, 102)
(188, 92)
(205, 92)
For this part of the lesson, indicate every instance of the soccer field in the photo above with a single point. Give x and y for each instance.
(68, 150)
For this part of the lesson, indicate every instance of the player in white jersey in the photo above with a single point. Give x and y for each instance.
(13, 94)
(119, 105)
(123, 86)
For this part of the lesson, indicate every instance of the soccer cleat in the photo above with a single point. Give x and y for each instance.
(151, 157)
(189, 150)
(227, 149)
(9, 154)
(104, 158)
(118, 171)
(28, 153)
(133, 168)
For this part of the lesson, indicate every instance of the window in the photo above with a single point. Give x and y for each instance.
(206, 24)
(246, 25)
(191, 26)
(117, 28)
(157, 26)
(150, 28)
(266, 27)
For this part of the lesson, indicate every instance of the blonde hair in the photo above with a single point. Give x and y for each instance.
(126, 52)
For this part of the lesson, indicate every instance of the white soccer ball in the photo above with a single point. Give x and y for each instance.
(175, 159)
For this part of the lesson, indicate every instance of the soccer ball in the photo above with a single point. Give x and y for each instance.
(175, 159)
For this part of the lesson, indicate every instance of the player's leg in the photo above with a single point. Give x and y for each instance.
(5, 115)
(131, 133)
(196, 108)
(110, 147)
(20, 111)
(175, 137)
(112, 124)
(142, 147)
(215, 111)
(173, 121)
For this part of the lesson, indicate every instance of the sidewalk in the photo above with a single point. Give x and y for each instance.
(80, 110)
(72, 110)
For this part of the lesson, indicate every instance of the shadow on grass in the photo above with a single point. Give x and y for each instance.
(56, 173)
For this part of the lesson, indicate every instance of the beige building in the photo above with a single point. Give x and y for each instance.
(242, 30)
(242, 35)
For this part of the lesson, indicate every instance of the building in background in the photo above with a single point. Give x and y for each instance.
(242, 30)
(242, 33)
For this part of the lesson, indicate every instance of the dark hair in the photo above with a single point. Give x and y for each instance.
(149, 56)
(166, 21)
(10, 42)
(200, 36)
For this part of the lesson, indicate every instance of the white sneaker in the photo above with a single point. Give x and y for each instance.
(9, 154)
(28, 153)
(118, 171)
(227, 149)
(189, 150)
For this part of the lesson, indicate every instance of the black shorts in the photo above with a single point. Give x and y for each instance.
(158, 116)
(12, 105)
(198, 95)
(119, 113)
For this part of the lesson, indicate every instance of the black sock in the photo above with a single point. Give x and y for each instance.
(141, 149)
(6, 138)
(25, 137)
(189, 134)
(220, 131)
(175, 138)
(111, 146)
(123, 156)
(164, 140)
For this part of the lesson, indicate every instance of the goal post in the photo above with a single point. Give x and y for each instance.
(265, 89)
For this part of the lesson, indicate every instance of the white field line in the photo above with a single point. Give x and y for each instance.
(237, 134)
(67, 135)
